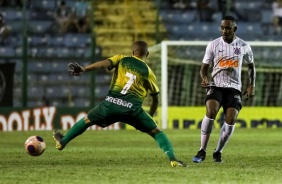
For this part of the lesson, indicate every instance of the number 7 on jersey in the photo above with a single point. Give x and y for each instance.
(129, 82)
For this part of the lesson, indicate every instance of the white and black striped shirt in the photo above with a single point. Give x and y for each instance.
(227, 61)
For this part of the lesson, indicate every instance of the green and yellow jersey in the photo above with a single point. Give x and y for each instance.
(132, 76)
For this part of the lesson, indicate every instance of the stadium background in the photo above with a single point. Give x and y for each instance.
(44, 96)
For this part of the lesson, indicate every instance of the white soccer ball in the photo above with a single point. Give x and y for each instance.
(35, 145)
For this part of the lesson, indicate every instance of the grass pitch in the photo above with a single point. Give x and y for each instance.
(131, 157)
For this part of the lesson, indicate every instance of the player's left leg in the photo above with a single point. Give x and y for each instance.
(77, 129)
(97, 115)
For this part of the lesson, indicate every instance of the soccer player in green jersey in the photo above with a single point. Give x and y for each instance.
(131, 81)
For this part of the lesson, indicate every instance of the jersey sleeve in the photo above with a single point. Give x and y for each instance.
(209, 55)
(152, 84)
(114, 61)
(248, 57)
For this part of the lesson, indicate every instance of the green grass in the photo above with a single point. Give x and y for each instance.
(131, 157)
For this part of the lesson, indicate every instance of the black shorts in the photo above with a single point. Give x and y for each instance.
(280, 21)
(227, 97)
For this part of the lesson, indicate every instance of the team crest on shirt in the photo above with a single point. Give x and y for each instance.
(237, 51)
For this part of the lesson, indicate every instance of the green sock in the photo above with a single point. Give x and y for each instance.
(165, 145)
(77, 129)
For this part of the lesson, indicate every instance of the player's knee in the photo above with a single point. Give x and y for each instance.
(231, 116)
(154, 132)
(230, 121)
(211, 114)
(87, 120)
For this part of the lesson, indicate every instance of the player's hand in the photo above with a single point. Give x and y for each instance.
(205, 83)
(250, 92)
(75, 69)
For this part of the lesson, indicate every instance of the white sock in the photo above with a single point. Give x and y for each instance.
(225, 134)
(206, 129)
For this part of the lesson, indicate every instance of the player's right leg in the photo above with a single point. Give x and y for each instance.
(206, 129)
(212, 107)
(165, 144)
(200, 156)
(143, 122)
(231, 112)
(177, 163)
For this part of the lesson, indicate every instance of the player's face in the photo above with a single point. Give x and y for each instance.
(227, 30)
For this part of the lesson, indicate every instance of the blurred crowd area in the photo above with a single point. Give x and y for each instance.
(200, 20)
(67, 15)
(120, 22)
(48, 34)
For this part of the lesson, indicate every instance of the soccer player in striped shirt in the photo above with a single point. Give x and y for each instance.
(132, 80)
(226, 54)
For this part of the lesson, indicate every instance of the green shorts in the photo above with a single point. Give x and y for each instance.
(126, 110)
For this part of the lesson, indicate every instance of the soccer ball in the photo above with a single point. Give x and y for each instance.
(35, 145)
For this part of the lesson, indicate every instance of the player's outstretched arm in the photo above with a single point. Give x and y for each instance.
(76, 69)
(98, 65)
